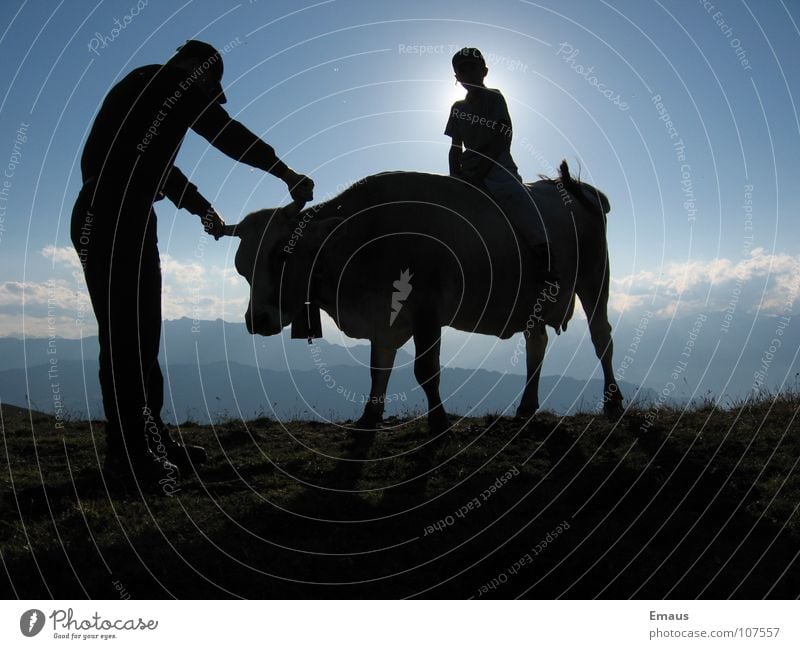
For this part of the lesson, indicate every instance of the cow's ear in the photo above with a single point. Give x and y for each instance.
(324, 232)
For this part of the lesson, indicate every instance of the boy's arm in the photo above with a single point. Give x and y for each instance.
(455, 157)
(492, 147)
(456, 141)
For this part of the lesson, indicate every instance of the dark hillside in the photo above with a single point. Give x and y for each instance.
(659, 504)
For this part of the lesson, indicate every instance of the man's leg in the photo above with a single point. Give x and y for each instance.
(149, 336)
(92, 242)
(111, 261)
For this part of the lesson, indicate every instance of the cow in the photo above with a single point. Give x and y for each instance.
(401, 254)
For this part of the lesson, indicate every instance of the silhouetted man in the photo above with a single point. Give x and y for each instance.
(127, 165)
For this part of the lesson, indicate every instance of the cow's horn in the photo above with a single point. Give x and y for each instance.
(230, 230)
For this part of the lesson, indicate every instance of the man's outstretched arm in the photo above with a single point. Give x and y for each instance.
(184, 194)
(179, 190)
(238, 142)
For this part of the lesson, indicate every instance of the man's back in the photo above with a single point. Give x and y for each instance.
(139, 129)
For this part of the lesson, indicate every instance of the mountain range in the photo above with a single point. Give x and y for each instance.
(215, 369)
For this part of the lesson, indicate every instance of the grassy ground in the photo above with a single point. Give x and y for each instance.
(702, 503)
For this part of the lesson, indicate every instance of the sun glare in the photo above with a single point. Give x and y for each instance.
(448, 92)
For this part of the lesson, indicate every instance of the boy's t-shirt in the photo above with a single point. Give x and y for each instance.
(477, 120)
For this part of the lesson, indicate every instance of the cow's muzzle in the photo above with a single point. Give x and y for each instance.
(261, 324)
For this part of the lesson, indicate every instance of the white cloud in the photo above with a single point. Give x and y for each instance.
(761, 283)
(60, 305)
(65, 256)
(192, 291)
(55, 307)
(56, 293)
(191, 274)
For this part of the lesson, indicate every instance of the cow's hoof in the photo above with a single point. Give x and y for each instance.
(525, 412)
(613, 410)
(438, 422)
(365, 424)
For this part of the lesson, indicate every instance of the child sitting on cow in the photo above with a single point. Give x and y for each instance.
(480, 128)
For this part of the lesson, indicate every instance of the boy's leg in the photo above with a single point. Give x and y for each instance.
(515, 201)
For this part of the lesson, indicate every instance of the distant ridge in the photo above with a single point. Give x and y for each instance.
(218, 391)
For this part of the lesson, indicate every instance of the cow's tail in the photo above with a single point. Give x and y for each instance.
(583, 191)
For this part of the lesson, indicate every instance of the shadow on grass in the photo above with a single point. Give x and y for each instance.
(565, 507)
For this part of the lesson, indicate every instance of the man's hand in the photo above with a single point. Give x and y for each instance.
(213, 223)
(300, 187)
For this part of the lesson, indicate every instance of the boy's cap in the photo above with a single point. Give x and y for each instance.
(466, 55)
(211, 60)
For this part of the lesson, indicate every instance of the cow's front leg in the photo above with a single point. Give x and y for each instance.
(381, 362)
(535, 345)
(427, 343)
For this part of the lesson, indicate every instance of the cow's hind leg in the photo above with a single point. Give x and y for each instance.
(381, 362)
(535, 345)
(604, 348)
(427, 343)
(594, 298)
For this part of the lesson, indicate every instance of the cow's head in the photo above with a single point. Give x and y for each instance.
(277, 255)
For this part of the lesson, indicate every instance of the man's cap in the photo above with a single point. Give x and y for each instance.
(466, 55)
(210, 61)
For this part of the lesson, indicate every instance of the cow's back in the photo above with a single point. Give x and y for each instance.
(467, 267)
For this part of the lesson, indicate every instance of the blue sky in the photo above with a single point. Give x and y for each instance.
(342, 89)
